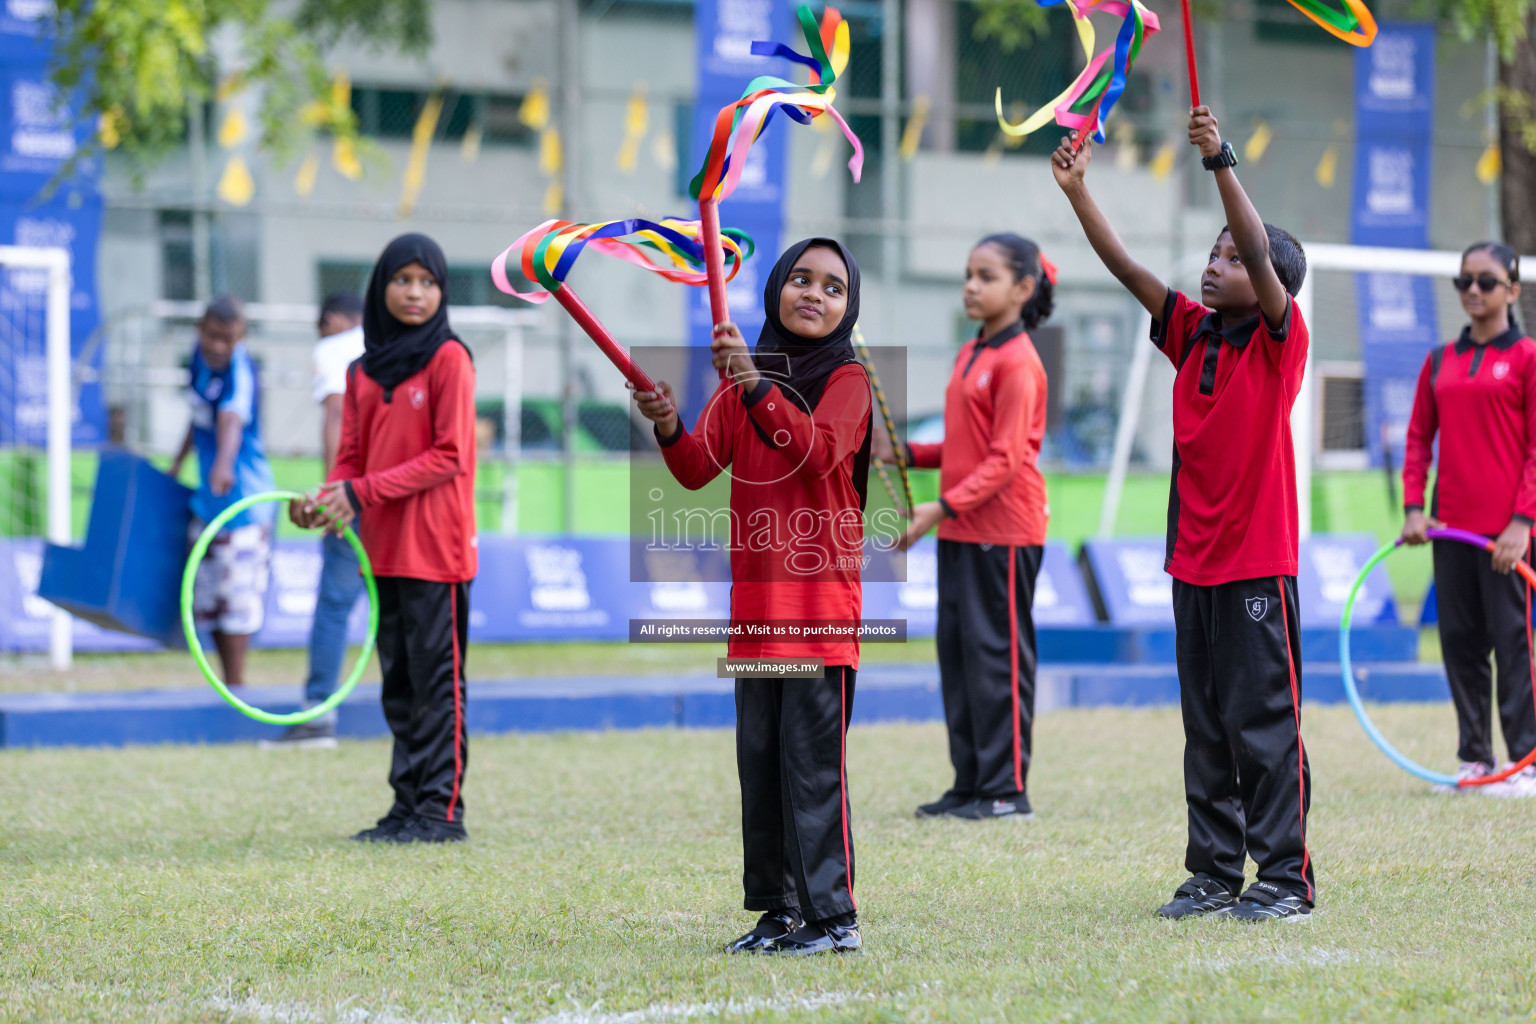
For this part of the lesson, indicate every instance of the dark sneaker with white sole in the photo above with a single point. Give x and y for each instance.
(1014, 807)
(775, 924)
(304, 736)
(1199, 896)
(1265, 902)
(944, 804)
(817, 937)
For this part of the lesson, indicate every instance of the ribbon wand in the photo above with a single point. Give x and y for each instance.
(714, 263)
(1189, 57)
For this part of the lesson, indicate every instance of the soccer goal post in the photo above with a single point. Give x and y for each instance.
(32, 273)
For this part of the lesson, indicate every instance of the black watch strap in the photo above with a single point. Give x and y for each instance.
(1226, 158)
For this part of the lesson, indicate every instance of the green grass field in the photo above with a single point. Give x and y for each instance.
(214, 884)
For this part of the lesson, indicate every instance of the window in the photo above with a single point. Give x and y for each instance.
(468, 285)
(176, 274)
(391, 113)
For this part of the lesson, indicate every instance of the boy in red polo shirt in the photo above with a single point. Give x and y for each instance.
(1232, 538)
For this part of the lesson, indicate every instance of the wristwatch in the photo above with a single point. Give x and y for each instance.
(1226, 158)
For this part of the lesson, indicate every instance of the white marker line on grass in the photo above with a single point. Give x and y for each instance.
(295, 1013)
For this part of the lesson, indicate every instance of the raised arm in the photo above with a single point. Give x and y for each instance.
(1243, 221)
(1070, 169)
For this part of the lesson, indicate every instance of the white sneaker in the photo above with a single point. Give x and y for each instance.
(1468, 770)
(1521, 784)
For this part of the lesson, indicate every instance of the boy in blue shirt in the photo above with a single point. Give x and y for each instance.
(230, 592)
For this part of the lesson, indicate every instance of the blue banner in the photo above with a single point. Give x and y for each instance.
(38, 136)
(724, 31)
(1394, 120)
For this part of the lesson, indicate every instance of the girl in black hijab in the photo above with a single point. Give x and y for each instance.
(791, 425)
(407, 457)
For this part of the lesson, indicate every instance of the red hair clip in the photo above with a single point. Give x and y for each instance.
(1048, 269)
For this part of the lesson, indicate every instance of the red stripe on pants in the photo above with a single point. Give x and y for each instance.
(1013, 665)
(1301, 756)
(458, 703)
(842, 781)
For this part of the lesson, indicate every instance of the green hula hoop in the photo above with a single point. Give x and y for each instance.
(189, 626)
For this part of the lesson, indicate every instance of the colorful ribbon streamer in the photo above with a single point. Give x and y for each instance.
(1341, 24)
(1086, 103)
(740, 124)
(547, 253)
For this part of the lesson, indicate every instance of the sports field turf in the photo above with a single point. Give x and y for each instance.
(213, 884)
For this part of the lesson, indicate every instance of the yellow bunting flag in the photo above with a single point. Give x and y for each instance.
(912, 135)
(344, 159)
(1162, 162)
(421, 147)
(230, 85)
(1328, 167)
(234, 129)
(108, 128)
(637, 121)
(664, 151)
(551, 156)
(1490, 164)
(236, 186)
(469, 149)
(535, 109)
(304, 181)
(1258, 142)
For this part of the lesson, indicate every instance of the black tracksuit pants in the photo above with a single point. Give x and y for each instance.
(1246, 779)
(986, 643)
(791, 744)
(423, 630)
(1483, 612)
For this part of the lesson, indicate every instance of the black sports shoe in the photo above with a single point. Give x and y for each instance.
(1198, 896)
(775, 924)
(419, 828)
(1015, 807)
(305, 735)
(948, 802)
(1263, 902)
(817, 937)
(382, 832)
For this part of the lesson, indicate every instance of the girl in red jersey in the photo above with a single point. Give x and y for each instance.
(1479, 394)
(791, 426)
(991, 517)
(406, 468)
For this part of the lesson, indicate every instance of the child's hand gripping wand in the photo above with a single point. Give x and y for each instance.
(738, 126)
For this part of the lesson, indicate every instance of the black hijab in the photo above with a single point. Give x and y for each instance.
(392, 350)
(801, 366)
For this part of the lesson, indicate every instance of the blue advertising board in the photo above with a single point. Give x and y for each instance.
(38, 135)
(1394, 121)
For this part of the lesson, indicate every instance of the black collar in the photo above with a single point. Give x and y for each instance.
(1503, 342)
(1003, 336)
(1237, 335)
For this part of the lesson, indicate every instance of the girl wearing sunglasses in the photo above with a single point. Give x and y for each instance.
(1479, 394)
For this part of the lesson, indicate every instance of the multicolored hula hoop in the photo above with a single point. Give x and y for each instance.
(189, 625)
(1393, 754)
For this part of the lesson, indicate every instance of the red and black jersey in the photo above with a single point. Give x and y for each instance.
(1232, 500)
(994, 422)
(797, 520)
(1481, 400)
(409, 463)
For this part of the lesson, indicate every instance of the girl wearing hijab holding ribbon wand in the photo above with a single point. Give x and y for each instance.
(790, 424)
(406, 469)
(991, 517)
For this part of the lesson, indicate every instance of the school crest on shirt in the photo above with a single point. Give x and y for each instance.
(984, 379)
(1258, 607)
(1500, 370)
(418, 397)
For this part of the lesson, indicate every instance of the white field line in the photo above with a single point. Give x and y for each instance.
(661, 1013)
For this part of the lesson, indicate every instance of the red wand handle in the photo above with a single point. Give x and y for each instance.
(1189, 55)
(605, 340)
(714, 263)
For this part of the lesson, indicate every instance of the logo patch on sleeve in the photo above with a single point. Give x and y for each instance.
(1257, 607)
